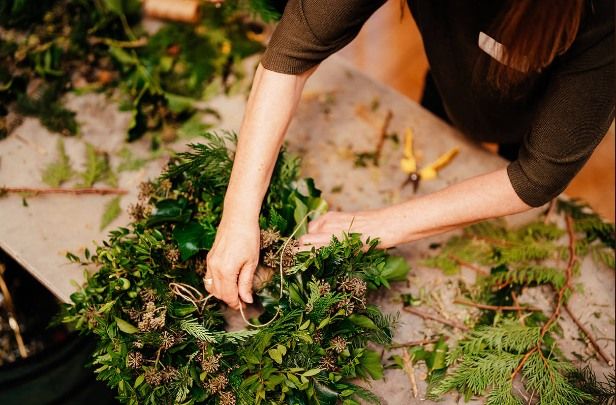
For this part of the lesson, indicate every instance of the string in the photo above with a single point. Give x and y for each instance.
(281, 270)
(195, 297)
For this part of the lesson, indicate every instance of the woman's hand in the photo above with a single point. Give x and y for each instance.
(367, 223)
(232, 262)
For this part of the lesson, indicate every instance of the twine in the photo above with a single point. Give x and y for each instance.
(195, 297)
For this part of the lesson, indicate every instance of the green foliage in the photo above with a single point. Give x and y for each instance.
(602, 392)
(60, 170)
(505, 345)
(599, 236)
(97, 168)
(111, 212)
(158, 346)
(101, 45)
(488, 357)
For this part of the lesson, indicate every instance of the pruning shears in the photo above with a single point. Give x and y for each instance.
(408, 163)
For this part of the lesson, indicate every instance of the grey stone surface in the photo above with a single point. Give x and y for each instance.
(327, 133)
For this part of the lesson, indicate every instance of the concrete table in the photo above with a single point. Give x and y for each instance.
(328, 133)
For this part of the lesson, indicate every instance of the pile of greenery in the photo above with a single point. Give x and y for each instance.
(509, 341)
(50, 47)
(161, 340)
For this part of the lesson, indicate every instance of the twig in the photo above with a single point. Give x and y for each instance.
(73, 191)
(420, 342)
(521, 363)
(410, 372)
(382, 134)
(468, 265)
(495, 307)
(590, 337)
(550, 211)
(13, 324)
(424, 315)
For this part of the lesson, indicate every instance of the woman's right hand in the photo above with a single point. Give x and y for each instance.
(232, 261)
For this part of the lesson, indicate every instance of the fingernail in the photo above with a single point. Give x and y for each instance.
(249, 300)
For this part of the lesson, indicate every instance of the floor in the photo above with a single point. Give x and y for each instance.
(391, 38)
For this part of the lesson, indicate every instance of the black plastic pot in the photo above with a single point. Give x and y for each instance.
(55, 376)
(55, 372)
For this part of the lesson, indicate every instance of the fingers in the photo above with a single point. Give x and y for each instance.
(224, 283)
(245, 282)
(315, 240)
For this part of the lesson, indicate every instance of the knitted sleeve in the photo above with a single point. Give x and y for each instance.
(573, 114)
(311, 30)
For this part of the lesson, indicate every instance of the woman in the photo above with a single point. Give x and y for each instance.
(535, 76)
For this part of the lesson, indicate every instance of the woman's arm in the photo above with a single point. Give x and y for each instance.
(487, 196)
(235, 253)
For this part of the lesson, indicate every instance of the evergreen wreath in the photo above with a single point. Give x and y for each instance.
(161, 340)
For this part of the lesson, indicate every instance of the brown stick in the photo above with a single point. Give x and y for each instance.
(550, 211)
(495, 307)
(435, 318)
(469, 265)
(73, 191)
(10, 309)
(420, 342)
(410, 372)
(590, 337)
(382, 134)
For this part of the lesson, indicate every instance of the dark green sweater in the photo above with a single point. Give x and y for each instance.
(559, 117)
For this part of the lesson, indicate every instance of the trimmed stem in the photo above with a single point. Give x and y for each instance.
(73, 191)
(435, 318)
(496, 307)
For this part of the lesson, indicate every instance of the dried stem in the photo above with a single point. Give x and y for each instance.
(496, 307)
(435, 318)
(10, 309)
(590, 337)
(468, 265)
(420, 342)
(382, 134)
(410, 372)
(73, 191)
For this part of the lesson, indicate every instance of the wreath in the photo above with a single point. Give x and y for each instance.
(161, 339)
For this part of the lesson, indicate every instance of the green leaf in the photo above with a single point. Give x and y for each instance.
(300, 216)
(170, 211)
(312, 372)
(125, 326)
(371, 362)
(396, 269)
(60, 170)
(362, 321)
(191, 238)
(275, 355)
(112, 211)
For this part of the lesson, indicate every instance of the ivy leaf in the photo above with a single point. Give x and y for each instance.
(112, 211)
(125, 326)
(170, 211)
(191, 238)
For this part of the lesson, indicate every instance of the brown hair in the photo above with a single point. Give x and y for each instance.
(533, 33)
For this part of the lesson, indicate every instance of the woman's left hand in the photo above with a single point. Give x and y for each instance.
(370, 224)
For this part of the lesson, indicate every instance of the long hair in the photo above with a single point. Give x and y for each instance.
(533, 33)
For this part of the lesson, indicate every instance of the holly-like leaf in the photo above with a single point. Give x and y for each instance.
(191, 238)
